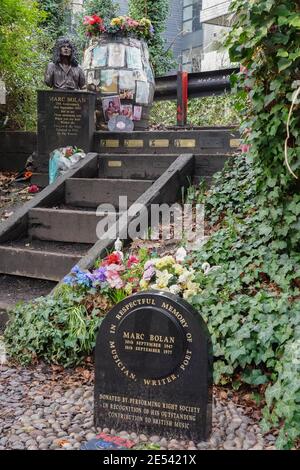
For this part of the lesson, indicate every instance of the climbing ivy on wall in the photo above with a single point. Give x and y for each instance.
(252, 305)
(157, 11)
(266, 41)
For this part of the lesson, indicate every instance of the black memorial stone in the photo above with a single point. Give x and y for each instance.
(65, 118)
(154, 368)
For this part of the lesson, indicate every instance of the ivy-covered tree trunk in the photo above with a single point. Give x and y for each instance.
(103, 8)
(157, 11)
(58, 19)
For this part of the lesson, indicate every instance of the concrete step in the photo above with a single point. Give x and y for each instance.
(86, 192)
(40, 260)
(65, 225)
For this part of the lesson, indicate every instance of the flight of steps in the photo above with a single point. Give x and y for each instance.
(59, 236)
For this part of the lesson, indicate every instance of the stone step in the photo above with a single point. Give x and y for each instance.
(40, 260)
(86, 192)
(65, 225)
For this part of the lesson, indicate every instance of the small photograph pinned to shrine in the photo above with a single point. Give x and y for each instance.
(109, 81)
(137, 113)
(87, 58)
(126, 94)
(91, 82)
(126, 111)
(111, 107)
(99, 56)
(116, 55)
(134, 58)
(142, 92)
(140, 75)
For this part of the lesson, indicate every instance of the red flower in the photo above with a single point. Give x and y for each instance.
(132, 260)
(114, 258)
(33, 189)
(91, 20)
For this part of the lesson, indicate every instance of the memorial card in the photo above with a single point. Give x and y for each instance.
(142, 92)
(137, 113)
(99, 56)
(87, 59)
(126, 110)
(111, 107)
(134, 58)
(90, 77)
(140, 75)
(109, 81)
(126, 94)
(126, 80)
(116, 56)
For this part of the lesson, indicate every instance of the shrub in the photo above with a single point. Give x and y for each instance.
(21, 59)
(208, 111)
(57, 328)
(252, 303)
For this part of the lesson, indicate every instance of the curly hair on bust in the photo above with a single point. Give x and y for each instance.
(59, 44)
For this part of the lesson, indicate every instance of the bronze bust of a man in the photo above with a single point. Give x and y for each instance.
(64, 73)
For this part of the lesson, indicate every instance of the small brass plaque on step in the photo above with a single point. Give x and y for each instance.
(111, 143)
(187, 143)
(159, 143)
(114, 163)
(235, 143)
(133, 143)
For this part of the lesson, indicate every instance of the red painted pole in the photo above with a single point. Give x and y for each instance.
(182, 98)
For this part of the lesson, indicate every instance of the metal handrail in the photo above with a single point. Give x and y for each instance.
(209, 83)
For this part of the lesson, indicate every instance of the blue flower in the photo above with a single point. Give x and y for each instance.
(69, 280)
(99, 274)
(75, 270)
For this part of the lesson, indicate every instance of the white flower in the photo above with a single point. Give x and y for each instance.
(180, 255)
(206, 268)
(174, 289)
(186, 276)
(162, 279)
(118, 245)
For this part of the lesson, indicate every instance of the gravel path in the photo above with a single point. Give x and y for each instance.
(48, 408)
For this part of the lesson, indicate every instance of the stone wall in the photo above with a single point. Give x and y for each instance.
(15, 148)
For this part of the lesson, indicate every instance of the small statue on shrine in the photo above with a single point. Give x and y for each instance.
(64, 73)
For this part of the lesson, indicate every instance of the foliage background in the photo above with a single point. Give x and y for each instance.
(20, 40)
(207, 111)
(157, 11)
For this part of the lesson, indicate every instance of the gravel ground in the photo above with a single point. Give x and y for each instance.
(49, 408)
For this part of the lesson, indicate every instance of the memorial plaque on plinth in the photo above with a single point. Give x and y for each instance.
(65, 118)
(154, 368)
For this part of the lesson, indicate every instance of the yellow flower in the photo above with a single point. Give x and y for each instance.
(165, 262)
(144, 284)
(115, 21)
(178, 269)
(128, 288)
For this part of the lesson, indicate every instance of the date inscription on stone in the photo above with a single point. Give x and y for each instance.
(154, 368)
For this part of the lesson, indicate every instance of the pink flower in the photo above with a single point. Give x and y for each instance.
(114, 280)
(132, 260)
(149, 273)
(245, 148)
(243, 70)
(115, 268)
(148, 264)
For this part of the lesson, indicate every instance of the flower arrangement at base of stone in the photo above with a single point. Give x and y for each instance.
(95, 26)
(120, 275)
